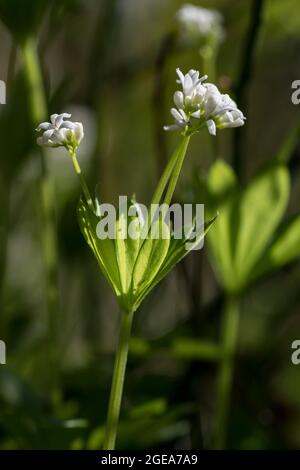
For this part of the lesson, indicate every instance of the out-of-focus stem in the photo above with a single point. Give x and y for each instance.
(118, 382)
(38, 111)
(33, 73)
(208, 54)
(229, 333)
(245, 77)
(158, 96)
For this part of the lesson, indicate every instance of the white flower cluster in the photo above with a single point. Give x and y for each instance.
(197, 22)
(60, 133)
(199, 103)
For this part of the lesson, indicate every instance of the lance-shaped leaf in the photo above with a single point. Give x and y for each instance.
(128, 243)
(247, 222)
(223, 194)
(151, 256)
(178, 249)
(260, 211)
(284, 249)
(104, 249)
(134, 265)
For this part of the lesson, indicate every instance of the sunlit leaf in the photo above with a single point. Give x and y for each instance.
(151, 256)
(154, 407)
(127, 247)
(284, 249)
(260, 211)
(176, 252)
(223, 195)
(104, 250)
(247, 222)
(189, 348)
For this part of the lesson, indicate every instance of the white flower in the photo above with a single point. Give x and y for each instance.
(221, 111)
(60, 133)
(189, 100)
(199, 103)
(197, 22)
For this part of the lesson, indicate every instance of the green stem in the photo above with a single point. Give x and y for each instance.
(118, 382)
(168, 171)
(229, 333)
(38, 111)
(246, 71)
(83, 184)
(158, 96)
(209, 54)
(36, 94)
(177, 169)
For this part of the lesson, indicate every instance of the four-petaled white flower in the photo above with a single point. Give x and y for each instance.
(199, 23)
(60, 133)
(199, 103)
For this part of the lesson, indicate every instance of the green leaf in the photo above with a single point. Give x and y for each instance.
(155, 407)
(223, 193)
(221, 182)
(286, 150)
(134, 266)
(151, 256)
(203, 350)
(260, 211)
(247, 221)
(127, 249)
(176, 252)
(178, 249)
(284, 249)
(104, 250)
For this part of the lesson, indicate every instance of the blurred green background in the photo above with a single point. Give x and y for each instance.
(101, 62)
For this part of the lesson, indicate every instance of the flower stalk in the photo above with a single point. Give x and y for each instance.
(170, 175)
(177, 169)
(162, 184)
(84, 187)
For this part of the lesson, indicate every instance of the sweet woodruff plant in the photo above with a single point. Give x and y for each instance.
(133, 267)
